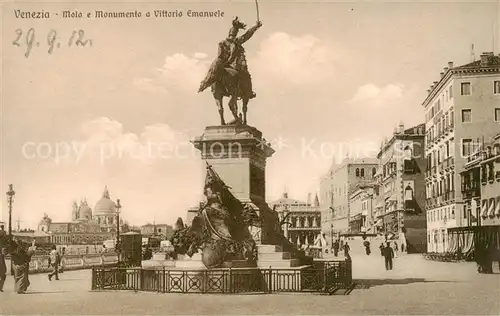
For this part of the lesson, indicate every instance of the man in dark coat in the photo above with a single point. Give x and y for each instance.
(388, 255)
(336, 247)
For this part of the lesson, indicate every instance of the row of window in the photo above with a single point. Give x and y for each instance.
(465, 89)
(360, 172)
(441, 126)
(438, 155)
(441, 187)
(437, 106)
(441, 214)
(467, 115)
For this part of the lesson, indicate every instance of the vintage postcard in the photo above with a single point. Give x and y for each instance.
(255, 157)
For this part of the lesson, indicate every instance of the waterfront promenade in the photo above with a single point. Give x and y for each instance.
(415, 286)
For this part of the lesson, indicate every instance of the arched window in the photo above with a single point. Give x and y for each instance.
(408, 193)
(357, 172)
(362, 172)
(408, 153)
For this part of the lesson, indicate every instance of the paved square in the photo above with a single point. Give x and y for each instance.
(415, 286)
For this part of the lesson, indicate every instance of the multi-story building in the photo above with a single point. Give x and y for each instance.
(301, 220)
(480, 189)
(400, 208)
(461, 109)
(361, 206)
(163, 231)
(335, 189)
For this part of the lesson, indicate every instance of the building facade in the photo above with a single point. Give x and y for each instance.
(400, 208)
(157, 230)
(361, 205)
(86, 226)
(461, 110)
(336, 188)
(480, 189)
(301, 220)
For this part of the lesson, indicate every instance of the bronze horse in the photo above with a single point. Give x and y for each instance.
(228, 75)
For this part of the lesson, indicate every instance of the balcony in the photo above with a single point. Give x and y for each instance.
(428, 203)
(471, 192)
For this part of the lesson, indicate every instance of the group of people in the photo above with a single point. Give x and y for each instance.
(20, 254)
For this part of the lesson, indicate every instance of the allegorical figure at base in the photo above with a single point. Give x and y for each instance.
(228, 75)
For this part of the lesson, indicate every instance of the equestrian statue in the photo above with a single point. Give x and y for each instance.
(228, 75)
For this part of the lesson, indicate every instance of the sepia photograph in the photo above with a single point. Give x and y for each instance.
(250, 157)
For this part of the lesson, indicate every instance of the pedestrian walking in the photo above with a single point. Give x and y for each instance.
(366, 244)
(388, 253)
(21, 259)
(346, 251)
(336, 247)
(3, 268)
(54, 262)
(381, 247)
(402, 247)
(395, 245)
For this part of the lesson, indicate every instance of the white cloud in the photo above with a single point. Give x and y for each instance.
(200, 55)
(179, 74)
(156, 173)
(370, 94)
(300, 60)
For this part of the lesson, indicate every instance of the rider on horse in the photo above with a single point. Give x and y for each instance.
(228, 75)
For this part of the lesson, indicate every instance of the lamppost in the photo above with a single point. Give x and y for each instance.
(10, 199)
(118, 207)
(118, 245)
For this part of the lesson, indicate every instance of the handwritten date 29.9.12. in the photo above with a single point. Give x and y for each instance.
(52, 40)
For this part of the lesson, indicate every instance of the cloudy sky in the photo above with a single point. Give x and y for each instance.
(329, 76)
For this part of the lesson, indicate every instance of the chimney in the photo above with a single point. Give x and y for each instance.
(401, 127)
(442, 74)
(450, 64)
(445, 69)
(484, 58)
(309, 199)
(428, 91)
(435, 83)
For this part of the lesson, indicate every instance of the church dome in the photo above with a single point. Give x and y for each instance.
(85, 211)
(105, 206)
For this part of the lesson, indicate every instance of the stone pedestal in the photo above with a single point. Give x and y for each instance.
(238, 154)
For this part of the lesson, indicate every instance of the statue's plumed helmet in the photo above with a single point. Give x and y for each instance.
(237, 25)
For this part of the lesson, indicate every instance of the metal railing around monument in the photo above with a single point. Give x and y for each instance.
(333, 275)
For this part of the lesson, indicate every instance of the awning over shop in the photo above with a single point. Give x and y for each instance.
(491, 209)
(484, 209)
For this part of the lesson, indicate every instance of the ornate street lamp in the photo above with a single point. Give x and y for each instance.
(10, 199)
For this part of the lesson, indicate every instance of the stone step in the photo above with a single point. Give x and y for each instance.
(274, 256)
(269, 248)
(287, 263)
